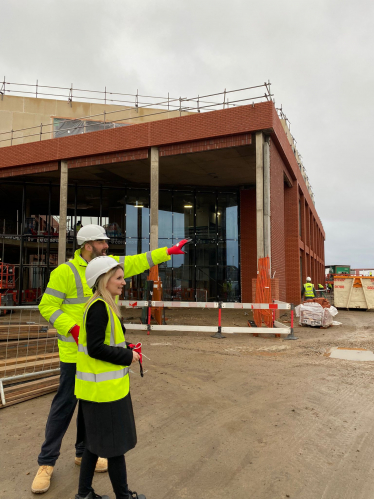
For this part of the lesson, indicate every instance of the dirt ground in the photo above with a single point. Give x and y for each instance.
(238, 418)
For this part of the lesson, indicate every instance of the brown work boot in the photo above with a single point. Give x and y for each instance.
(42, 480)
(101, 465)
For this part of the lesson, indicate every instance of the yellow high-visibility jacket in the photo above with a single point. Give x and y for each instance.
(97, 380)
(67, 292)
(308, 287)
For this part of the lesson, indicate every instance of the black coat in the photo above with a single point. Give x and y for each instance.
(109, 426)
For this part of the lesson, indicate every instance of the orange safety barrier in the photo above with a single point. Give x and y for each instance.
(157, 293)
(263, 293)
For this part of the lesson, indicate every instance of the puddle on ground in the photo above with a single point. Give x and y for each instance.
(359, 354)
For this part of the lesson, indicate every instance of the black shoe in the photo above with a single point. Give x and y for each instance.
(135, 495)
(92, 495)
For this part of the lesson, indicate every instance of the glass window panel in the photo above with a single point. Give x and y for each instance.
(183, 283)
(165, 215)
(145, 245)
(183, 215)
(206, 253)
(137, 213)
(206, 283)
(131, 246)
(114, 213)
(227, 215)
(228, 253)
(165, 274)
(206, 215)
(11, 197)
(135, 287)
(188, 258)
(228, 283)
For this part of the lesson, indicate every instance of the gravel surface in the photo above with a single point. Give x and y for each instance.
(241, 417)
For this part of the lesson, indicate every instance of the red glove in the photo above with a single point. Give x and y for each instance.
(177, 248)
(74, 331)
(138, 349)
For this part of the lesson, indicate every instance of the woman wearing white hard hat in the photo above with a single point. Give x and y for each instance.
(102, 381)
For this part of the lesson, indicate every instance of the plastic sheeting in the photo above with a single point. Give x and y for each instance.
(313, 314)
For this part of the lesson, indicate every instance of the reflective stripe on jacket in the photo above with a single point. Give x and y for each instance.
(67, 292)
(308, 287)
(97, 380)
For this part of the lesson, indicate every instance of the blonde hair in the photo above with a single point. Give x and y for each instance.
(101, 291)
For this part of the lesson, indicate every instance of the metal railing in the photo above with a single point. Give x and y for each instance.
(280, 329)
(156, 106)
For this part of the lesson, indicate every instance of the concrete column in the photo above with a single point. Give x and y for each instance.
(260, 194)
(267, 231)
(154, 197)
(63, 212)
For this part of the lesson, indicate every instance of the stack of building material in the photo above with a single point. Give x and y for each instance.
(314, 314)
(322, 301)
(26, 349)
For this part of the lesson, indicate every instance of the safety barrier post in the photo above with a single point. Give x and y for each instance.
(2, 395)
(219, 334)
(291, 336)
(149, 317)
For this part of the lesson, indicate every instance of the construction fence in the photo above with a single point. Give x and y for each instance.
(29, 359)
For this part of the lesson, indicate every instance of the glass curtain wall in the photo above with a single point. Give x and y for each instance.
(209, 271)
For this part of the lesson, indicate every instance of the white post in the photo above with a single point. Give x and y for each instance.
(63, 212)
(267, 231)
(154, 197)
(260, 194)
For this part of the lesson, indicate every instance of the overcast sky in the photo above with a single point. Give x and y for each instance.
(317, 54)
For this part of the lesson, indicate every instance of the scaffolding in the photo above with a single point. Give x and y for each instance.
(154, 106)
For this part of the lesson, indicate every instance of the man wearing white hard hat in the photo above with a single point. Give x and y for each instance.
(308, 290)
(62, 305)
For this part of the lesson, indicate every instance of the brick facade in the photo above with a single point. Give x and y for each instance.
(248, 242)
(278, 229)
(293, 245)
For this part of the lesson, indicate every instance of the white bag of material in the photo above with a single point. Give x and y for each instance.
(311, 314)
(327, 318)
(310, 306)
(333, 311)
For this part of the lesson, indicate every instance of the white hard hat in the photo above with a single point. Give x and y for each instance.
(97, 267)
(308, 279)
(91, 232)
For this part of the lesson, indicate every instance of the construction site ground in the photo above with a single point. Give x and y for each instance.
(237, 418)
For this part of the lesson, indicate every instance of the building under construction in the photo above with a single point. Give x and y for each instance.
(221, 169)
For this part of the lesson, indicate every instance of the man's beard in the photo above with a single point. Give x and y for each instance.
(96, 252)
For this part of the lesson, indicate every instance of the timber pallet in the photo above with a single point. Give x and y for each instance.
(14, 394)
(27, 359)
(29, 367)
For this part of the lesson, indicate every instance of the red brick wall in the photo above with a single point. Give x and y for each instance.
(278, 251)
(248, 242)
(291, 224)
(199, 126)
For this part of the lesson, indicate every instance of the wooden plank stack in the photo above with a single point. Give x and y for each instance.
(27, 348)
(30, 388)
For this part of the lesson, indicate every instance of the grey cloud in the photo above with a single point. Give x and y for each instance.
(318, 56)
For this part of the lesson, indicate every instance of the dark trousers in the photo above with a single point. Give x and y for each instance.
(60, 414)
(117, 474)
